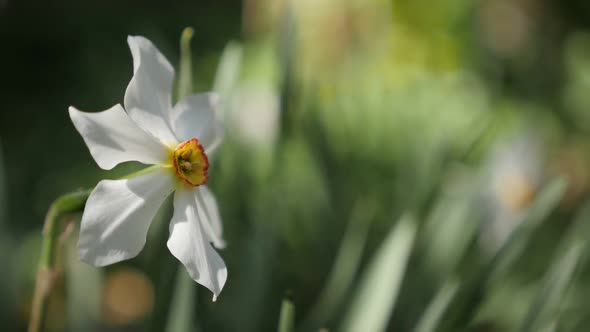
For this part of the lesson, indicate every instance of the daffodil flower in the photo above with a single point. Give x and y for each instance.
(178, 140)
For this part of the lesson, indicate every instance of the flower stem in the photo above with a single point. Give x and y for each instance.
(48, 272)
(185, 80)
(167, 286)
(287, 316)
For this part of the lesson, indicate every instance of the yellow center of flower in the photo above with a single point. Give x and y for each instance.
(191, 163)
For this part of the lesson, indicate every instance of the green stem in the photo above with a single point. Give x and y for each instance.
(287, 316)
(167, 266)
(185, 79)
(48, 271)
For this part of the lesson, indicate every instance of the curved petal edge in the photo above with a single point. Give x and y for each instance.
(148, 98)
(189, 243)
(118, 214)
(194, 116)
(112, 138)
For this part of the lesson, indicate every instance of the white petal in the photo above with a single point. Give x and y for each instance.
(188, 242)
(148, 98)
(194, 117)
(118, 214)
(112, 138)
(210, 217)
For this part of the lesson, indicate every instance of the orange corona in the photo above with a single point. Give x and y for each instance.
(191, 163)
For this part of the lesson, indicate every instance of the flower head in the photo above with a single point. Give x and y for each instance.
(178, 140)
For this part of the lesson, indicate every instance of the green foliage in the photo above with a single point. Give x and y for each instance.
(287, 317)
(372, 306)
(372, 166)
(3, 205)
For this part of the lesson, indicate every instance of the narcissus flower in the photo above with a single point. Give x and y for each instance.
(177, 139)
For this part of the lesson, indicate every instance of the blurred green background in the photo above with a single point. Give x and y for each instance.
(389, 165)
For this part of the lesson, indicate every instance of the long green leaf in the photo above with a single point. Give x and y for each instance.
(2, 189)
(182, 308)
(346, 264)
(84, 284)
(569, 257)
(556, 282)
(375, 300)
(535, 214)
(436, 309)
(287, 317)
(472, 292)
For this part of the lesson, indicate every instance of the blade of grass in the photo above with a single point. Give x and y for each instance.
(536, 213)
(3, 205)
(450, 232)
(555, 284)
(182, 307)
(551, 327)
(345, 267)
(437, 308)
(375, 300)
(162, 268)
(570, 255)
(84, 285)
(287, 317)
(473, 290)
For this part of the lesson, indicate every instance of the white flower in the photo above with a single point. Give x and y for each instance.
(514, 176)
(177, 139)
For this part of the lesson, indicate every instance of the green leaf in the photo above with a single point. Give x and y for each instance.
(436, 309)
(546, 202)
(83, 290)
(554, 286)
(375, 300)
(2, 189)
(472, 292)
(287, 317)
(346, 264)
(569, 257)
(182, 308)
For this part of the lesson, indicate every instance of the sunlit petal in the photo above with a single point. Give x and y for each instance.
(148, 98)
(112, 138)
(189, 243)
(118, 214)
(194, 116)
(211, 220)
